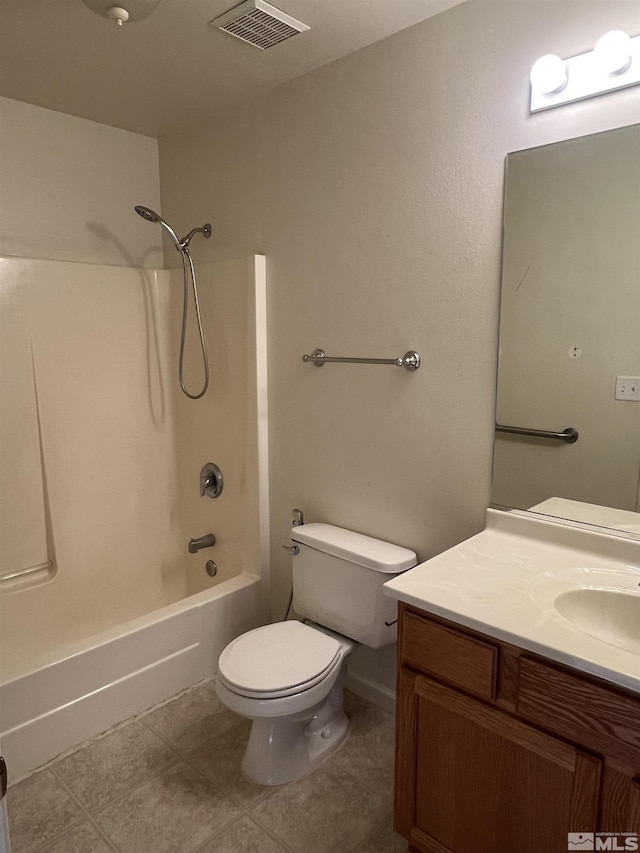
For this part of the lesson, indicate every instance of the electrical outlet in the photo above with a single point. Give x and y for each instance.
(628, 388)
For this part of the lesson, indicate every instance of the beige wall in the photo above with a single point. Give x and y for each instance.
(374, 187)
(68, 187)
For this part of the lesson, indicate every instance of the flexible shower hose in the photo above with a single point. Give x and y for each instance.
(187, 268)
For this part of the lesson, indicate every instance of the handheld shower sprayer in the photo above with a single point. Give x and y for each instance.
(152, 216)
(187, 269)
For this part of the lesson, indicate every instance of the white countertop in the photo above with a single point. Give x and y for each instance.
(603, 516)
(504, 582)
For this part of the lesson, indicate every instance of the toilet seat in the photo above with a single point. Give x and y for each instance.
(278, 660)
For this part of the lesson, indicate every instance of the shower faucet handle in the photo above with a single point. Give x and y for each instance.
(211, 481)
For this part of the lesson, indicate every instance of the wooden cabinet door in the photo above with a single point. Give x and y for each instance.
(482, 781)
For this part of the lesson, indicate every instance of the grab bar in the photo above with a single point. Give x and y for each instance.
(568, 435)
(410, 360)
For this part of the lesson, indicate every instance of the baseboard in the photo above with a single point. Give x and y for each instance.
(373, 692)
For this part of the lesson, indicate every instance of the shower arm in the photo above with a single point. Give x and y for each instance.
(184, 243)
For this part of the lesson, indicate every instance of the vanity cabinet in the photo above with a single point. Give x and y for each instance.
(500, 751)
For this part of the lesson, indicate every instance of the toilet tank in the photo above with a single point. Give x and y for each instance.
(337, 581)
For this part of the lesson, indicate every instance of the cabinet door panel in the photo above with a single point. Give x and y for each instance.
(485, 781)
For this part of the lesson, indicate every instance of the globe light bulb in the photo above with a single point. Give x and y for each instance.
(549, 74)
(613, 52)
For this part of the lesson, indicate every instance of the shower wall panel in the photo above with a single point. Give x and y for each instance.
(122, 448)
(222, 427)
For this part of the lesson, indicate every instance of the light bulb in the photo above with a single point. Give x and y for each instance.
(613, 52)
(549, 74)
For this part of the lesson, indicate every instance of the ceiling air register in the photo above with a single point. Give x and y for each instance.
(258, 23)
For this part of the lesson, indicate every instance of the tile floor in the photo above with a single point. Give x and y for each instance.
(169, 781)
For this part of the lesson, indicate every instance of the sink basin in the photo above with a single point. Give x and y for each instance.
(607, 614)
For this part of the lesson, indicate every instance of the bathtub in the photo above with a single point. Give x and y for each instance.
(121, 672)
(124, 616)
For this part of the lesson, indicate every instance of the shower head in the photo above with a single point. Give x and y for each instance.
(152, 216)
(181, 245)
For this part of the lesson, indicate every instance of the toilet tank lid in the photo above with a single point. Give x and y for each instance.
(355, 547)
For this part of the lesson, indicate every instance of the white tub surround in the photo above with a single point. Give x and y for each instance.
(128, 617)
(507, 582)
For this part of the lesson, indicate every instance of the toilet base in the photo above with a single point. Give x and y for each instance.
(284, 750)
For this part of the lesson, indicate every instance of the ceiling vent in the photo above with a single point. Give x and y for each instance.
(258, 23)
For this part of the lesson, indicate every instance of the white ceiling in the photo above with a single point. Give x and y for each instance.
(173, 67)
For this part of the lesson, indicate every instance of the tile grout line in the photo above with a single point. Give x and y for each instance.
(179, 756)
(140, 784)
(271, 833)
(181, 759)
(268, 790)
(369, 835)
(92, 820)
(212, 836)
(186, 757)
(86, 816)
(180, 750)
(370, 789)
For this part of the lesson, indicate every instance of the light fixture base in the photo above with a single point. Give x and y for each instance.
(118, 14)
(130, 10)
(586, 78)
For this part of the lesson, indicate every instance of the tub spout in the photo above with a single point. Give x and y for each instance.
(206, 541)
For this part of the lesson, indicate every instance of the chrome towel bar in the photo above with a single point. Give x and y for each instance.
(568, 435)
(410, 360)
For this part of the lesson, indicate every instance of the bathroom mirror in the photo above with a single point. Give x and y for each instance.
(569, 327)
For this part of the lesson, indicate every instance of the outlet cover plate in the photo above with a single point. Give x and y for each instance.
(628, 388)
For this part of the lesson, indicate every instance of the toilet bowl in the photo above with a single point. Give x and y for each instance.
(288, 678)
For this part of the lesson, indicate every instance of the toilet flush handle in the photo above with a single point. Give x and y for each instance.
(292, 549)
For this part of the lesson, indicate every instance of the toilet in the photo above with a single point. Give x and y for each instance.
(288, 677)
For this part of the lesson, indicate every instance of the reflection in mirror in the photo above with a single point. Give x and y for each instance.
(569, 326)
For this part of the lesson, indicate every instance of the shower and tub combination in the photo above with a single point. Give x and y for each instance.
(105, 609)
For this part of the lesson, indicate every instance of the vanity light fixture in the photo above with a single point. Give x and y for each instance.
(614, 63)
